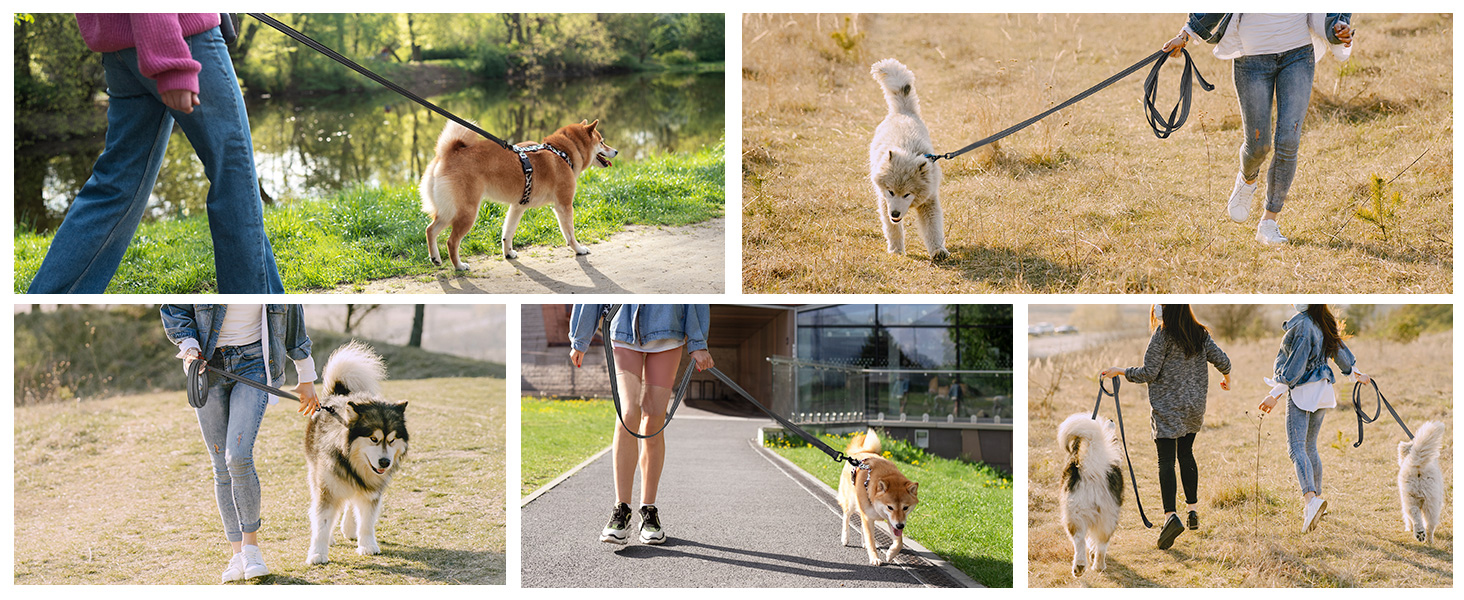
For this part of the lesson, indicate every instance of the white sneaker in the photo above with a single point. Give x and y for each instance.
(1267, 232)
(1240, 198)
(1311, 514)
(254, 563)
(235, 570)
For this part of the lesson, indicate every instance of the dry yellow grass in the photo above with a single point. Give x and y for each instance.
(1243, 541)
(1087, 200)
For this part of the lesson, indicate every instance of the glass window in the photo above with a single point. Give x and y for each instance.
(916, 314)
(843, 314)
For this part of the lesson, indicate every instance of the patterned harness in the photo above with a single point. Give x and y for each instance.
(529, 169)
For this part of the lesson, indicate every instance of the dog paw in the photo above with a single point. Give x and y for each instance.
(874, 561)
(940, 254)
(461, 266)
(1420, 535)
(581, 250)
(316, 559)
(1078, 570)
(510, 254)
(890, 556)
(436, 261)
(368, 549)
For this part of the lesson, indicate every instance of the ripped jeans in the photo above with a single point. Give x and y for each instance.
(1285, 78)
(230, 422)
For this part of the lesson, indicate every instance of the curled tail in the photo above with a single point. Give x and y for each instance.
(1428, 442)
(866, 442)
(898, 84)
(354, 368)
(454, 136)
(1076, 431)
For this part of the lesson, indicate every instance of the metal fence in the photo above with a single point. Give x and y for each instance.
(811, 392)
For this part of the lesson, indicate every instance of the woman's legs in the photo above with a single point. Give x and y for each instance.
(1189, 471)
(1301, 439)
(230, 423)
(1296, 71)
(660, 376)
(1313, 429)
(629, 366)
(1166, 448)
(1255, 87)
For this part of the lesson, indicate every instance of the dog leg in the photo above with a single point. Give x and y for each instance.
(896, 546)
(894, 232)
(932, 228)
(566, 227)
(433, 229)
(322, 521)
(348, 521)
(1407, 522)
(1415, 516)
(462, 223)
(844, 527)
(367, 510)
(510, 225)
(867, 523)
(1100, 550)
(1079, 537)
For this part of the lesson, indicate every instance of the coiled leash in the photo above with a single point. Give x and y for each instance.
(1377, 410)
(685, 384)
(336, 56)
(1118, 410)
(1162, 126)
(198, 373)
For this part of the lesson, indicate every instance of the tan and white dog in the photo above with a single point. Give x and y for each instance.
(1092, 488)
(1421, 481)
(353, 446)
(468, 168)
(880, 493)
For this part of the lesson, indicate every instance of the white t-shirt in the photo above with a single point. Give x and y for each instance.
(1309, 396)
(1270, 33)
(653, 346)
(243, 324)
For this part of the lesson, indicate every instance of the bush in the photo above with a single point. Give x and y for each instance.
(446, 53)
(492, 61)
(678, 58)
(1412, 320)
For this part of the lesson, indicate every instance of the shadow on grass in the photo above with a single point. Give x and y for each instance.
(1409, 256)
(767, 561)
(1127, 577)
(280, 580)
(1002, 266)
(443, 566)
(994, 573)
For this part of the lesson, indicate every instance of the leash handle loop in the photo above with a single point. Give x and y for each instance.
(1377, 410)
(1118, 410)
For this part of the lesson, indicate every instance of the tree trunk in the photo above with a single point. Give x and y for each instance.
(417, 319)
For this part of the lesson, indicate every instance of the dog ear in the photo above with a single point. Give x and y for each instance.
(924, 167)
(402, 407)
(913, 488)
(880, 487)
(593, 124)
(584, 122)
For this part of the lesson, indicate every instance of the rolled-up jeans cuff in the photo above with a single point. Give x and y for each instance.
(251, 528)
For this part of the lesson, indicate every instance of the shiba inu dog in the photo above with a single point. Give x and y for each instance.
(1092, 488)
(468, 168)
(353, 446)
(879, 493)
(1421, 481)
(905, 181)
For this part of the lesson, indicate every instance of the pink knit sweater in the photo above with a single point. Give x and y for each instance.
(162, 55)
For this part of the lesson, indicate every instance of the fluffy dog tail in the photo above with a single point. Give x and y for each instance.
(898, 84)
(866, 442)
(454, 136)
(1427, 443)
(1076, 431)
(354, 368)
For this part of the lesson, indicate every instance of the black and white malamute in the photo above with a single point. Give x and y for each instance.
(352, 458)
(1092, 488)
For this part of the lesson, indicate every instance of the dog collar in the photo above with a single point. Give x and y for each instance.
(523, 153)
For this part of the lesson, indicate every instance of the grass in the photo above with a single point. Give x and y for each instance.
(965, 511)
(119, 491)
(559, 434)
(1249, 516)
(1086, 201)
(372, 233)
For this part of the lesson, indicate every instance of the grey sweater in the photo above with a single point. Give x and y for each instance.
(1177, 383)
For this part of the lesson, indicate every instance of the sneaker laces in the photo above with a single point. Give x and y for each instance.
(620, 518)
(650, 520)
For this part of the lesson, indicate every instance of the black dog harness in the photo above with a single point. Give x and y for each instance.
(523, 152)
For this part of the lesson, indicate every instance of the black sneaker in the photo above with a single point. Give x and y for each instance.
(615, 532)
(1172, 529)
(1194, 521)
(651, 532)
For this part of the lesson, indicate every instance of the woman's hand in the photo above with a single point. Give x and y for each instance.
(1174, 46)
(1225, 383)
(702, 358)
(182, 101)
(1268, 404)
(191, 355)
(309, 402)
(1343, 31)
(576, 357)
(1111, 372)
(1361, 377)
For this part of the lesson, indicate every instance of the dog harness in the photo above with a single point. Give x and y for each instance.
(523, 153)
(854, 475)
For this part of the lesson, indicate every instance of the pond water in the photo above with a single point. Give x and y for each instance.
(310, 147)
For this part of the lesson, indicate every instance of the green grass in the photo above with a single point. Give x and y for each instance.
(965, 510)
(119, 491)
(559, 434)
(371, 233)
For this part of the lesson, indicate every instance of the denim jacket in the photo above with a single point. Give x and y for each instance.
(198, 325)
(1211, 26)
(1301, 360)
(641, 323)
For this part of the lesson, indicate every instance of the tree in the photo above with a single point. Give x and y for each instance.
(417, 319)
(355, 313)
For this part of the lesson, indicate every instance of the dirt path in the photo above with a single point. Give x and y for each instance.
(640, 260)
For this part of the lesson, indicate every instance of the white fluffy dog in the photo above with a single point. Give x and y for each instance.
(904, 180)
(1421, 482)
(1092, 488)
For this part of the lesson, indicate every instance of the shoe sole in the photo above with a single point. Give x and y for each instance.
(611, 539)
(1166, 540)
(653, 541)
(1243, 216)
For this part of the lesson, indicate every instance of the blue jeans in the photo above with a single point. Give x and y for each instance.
(230, 422)
(1301, 440)
(1285, 78)
(93, 238)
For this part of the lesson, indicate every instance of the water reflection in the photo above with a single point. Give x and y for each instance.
(316, 146)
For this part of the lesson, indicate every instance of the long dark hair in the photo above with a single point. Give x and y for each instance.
(1331, 332)
(1178, 322)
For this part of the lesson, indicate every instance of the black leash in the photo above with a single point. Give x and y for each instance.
(336, 56)
(1118, 409)
(682, 387)
(199, 369)
(1377, 410)
(1162, 127)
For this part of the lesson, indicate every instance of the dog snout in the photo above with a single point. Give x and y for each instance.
(900, 526)
(384, 462)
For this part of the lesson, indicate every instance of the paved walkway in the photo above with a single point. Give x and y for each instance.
(733, 516)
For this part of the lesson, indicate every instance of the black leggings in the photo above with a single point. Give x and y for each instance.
(1189, 472)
